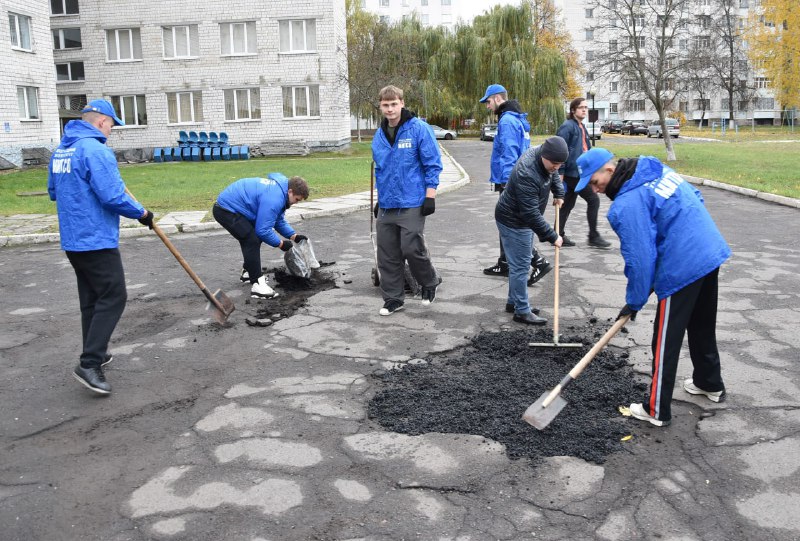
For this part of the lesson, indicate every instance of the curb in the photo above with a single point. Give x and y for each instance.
(772, 198)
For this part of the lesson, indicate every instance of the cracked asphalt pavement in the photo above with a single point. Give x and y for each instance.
(261, 433)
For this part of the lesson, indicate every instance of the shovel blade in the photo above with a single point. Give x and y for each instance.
(540, 416)
(224, 309)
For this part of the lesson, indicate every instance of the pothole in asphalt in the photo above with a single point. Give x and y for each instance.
(293, 291)
(485, 387)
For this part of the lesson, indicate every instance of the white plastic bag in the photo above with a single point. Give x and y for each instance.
(300, 260)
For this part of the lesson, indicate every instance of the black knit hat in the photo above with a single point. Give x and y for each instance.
(555, 149)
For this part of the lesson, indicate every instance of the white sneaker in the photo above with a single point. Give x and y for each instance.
(691, 388)
(245, 276)
(262, 290)
(637, 411)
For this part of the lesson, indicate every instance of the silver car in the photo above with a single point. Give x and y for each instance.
(441, 133)
(673, 128)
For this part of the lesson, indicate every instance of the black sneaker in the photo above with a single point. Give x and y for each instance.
(428, 295)
(107, 359)
(530, 319)
(391, 306)
(565, 241)
(539, 271)
(598, 242)
(510, 309)
(93, 379)
(499, 269)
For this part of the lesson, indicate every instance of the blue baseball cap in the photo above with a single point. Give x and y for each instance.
(588, 164)
(104, 108)
(491, 90)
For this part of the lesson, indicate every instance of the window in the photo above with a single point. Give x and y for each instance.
(613, 107)
(764, 104)
(589, 56)
(742, 105)
(384, 3)
(704, 21)
(703, 2)
(300, 101)
(72, 102)
(20, 26)
(766, 22)
(612, 46)
(123, 44)
(238, 38)
(63, 7)
(180, 41)
(590, 13)
(614, 86)
(445, 2)
(669, 84)
(67, 38)
(762, 82)
(612, 4)
(683, 106)
(635, 105)
(184, 107)
(634, 85)
(28, 99)
(242, 104)
(70, 71)
(425, 19)
(298, 36)
(589, 34)
(636, 20)
(669, 42)
(637, 40)
(723, 104)
(702, 104)
(384, 19)
(423, 2)
(683, 44)
(744, 3)
(703, 42)
(662, 20)
(590, 76)
(131, 109)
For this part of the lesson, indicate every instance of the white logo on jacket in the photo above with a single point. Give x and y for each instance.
(404, 143)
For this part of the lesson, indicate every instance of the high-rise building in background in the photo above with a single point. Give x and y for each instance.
(429, 12)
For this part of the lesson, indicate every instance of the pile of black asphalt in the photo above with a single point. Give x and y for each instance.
(486, 386)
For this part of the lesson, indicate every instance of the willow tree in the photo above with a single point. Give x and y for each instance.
(504, 46)
(774, 39)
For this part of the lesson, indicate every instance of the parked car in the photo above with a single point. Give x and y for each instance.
(633, 127)
(612, 126)
(441, 133)
(593, 129)
(673, 128)
(488, 131)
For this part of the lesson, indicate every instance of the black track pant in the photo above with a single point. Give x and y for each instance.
(592, 205)
(102, 296)
(243, 231)
(692, 310)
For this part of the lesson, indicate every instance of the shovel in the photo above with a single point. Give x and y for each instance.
(376, 276)
(223, 305)
(544, 410)
(555, 343)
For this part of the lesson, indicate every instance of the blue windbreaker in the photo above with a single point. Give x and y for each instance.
(571, 132)
(405, 170)
(667, 236)
(262, 201)
(83, 179)
(512, 140)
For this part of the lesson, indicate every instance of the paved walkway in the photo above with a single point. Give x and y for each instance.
(38, 228)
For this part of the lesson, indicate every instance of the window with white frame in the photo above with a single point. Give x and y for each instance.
(589, 56)
(613, 107)
(704, 21)
(683, 106)
(744, 3)
(300, 101)
(445, 2)
(637, 40)
(590, 13)
(423, 2)
(614, 86)
(69, 71)
(72, 102)
(242, 104)
(180, 41)
(28, 99)
(20, 27)
(384, 3)
(589, 34)
(238, 38)
(590, 76)
(634, 85)
(612, 46)
(67, 38)
(703, 42)
(132, 109)
(184, 107)
(762, 82)
(764, 104)
(63, 7)
(635, 105)
(703, 104)
(123, 44)
(298, 35)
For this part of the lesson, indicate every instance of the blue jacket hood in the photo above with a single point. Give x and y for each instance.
(80, 129)
(512, 140)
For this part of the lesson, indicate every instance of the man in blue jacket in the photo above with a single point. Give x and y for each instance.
(407, 167)
(512, 140)
(672, 247)
(252, 210)
(84, 181)
(574, 133)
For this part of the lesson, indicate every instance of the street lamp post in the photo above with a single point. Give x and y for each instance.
(593, 116)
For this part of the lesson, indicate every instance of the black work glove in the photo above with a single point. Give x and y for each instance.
(286, 245)
(300, 238)
(627, 311)
(147, 219)
(429, 206)
(375, 210)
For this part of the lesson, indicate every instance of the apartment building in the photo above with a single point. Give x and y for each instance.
(429, 12)
(28, 113)
(269, 74)
(617, 96)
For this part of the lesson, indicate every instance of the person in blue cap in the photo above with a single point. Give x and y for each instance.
(252, 211)
(512, 140)
(672, 247)
(83, 179)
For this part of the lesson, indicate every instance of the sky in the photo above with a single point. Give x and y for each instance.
(468, 9)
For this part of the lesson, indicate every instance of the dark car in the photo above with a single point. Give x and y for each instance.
(488, 131)
(612, 126)
(633, 127)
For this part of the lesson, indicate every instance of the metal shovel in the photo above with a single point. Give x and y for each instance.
(222, 304)
(550, 404)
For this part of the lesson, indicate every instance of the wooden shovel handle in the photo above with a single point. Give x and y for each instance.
(556, 292)
(584, 362)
